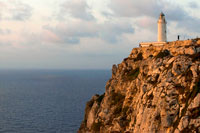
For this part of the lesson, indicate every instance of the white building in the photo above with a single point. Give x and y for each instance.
(162, 33)
(162, 28)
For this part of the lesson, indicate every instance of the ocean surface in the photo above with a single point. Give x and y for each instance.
(47, 101)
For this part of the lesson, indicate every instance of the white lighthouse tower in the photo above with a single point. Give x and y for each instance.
(162, 28)
(162, 33)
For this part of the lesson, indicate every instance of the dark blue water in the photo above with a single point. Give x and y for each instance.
(46, 101)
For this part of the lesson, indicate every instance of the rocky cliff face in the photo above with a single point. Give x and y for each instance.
(155, 89)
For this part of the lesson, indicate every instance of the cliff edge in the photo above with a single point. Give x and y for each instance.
(155, 89)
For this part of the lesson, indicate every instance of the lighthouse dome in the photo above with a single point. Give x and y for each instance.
(162, 14)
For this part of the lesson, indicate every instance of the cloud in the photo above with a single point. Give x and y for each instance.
(71, 33)
(150, 8)
(147, 23)
(5, 31)
(145, 13)
(15, 10)
(175, 12)
(21, 11)
(112, 31)
(77, 9)
(193, 5)
(134, 8)
(190, 24)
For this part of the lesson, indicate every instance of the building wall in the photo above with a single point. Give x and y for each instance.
(162, 33)
(147, 44)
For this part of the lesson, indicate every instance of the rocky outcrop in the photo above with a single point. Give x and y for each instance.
(155, 89)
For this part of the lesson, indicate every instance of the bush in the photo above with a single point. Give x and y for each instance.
(90, 103)
(151, 56)
(195, 112)
(188, 75)
(139, 57)
(99, 100)
(150, 97)
(196, 90)
(195, 57)
(117, 97)
(132, 75)
(96, 126)
(125, 109)
(180, 88)
(163, 54)
(117, 100)
(118, 110)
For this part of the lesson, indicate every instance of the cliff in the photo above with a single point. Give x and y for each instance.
(155, 89)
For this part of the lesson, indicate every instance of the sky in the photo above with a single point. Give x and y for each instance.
(86, 34)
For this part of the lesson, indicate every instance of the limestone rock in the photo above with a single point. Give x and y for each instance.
(155, 89)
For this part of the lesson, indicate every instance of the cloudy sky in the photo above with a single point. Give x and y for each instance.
(86, 34)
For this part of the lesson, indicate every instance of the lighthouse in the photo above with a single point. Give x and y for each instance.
(162, 28)
(162, 33)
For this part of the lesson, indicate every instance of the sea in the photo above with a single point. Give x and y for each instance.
(47, 101)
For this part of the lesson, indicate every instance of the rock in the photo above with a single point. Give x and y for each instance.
(195, 102)
(198, 42)
(183, 123)
(114, 70)
(190, 51)
(198, 49)
(155, 89)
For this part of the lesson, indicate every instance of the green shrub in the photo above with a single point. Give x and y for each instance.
(150, 97)
(117, 98)
(117, 101)
(180, 88)
(188, 75)
(139, 57)
(196, 90)
(132, 75)
(90, 103)
(151, 55)
(163, 54)
(158, 118)
(195, 57)
(99, 100)
(96, 126)
(195, 112)
(125, 109)
(118, 109)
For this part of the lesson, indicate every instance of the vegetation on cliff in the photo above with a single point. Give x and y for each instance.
(155, 89)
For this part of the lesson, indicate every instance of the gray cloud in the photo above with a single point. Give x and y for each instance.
(15, 10)
(72, 33)
(112, 32)
(175, 12)
(76, 8)
(150, 8)
(135, 8)
(190, 24)
(5, 31)
(21, 11)
(193, 5)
